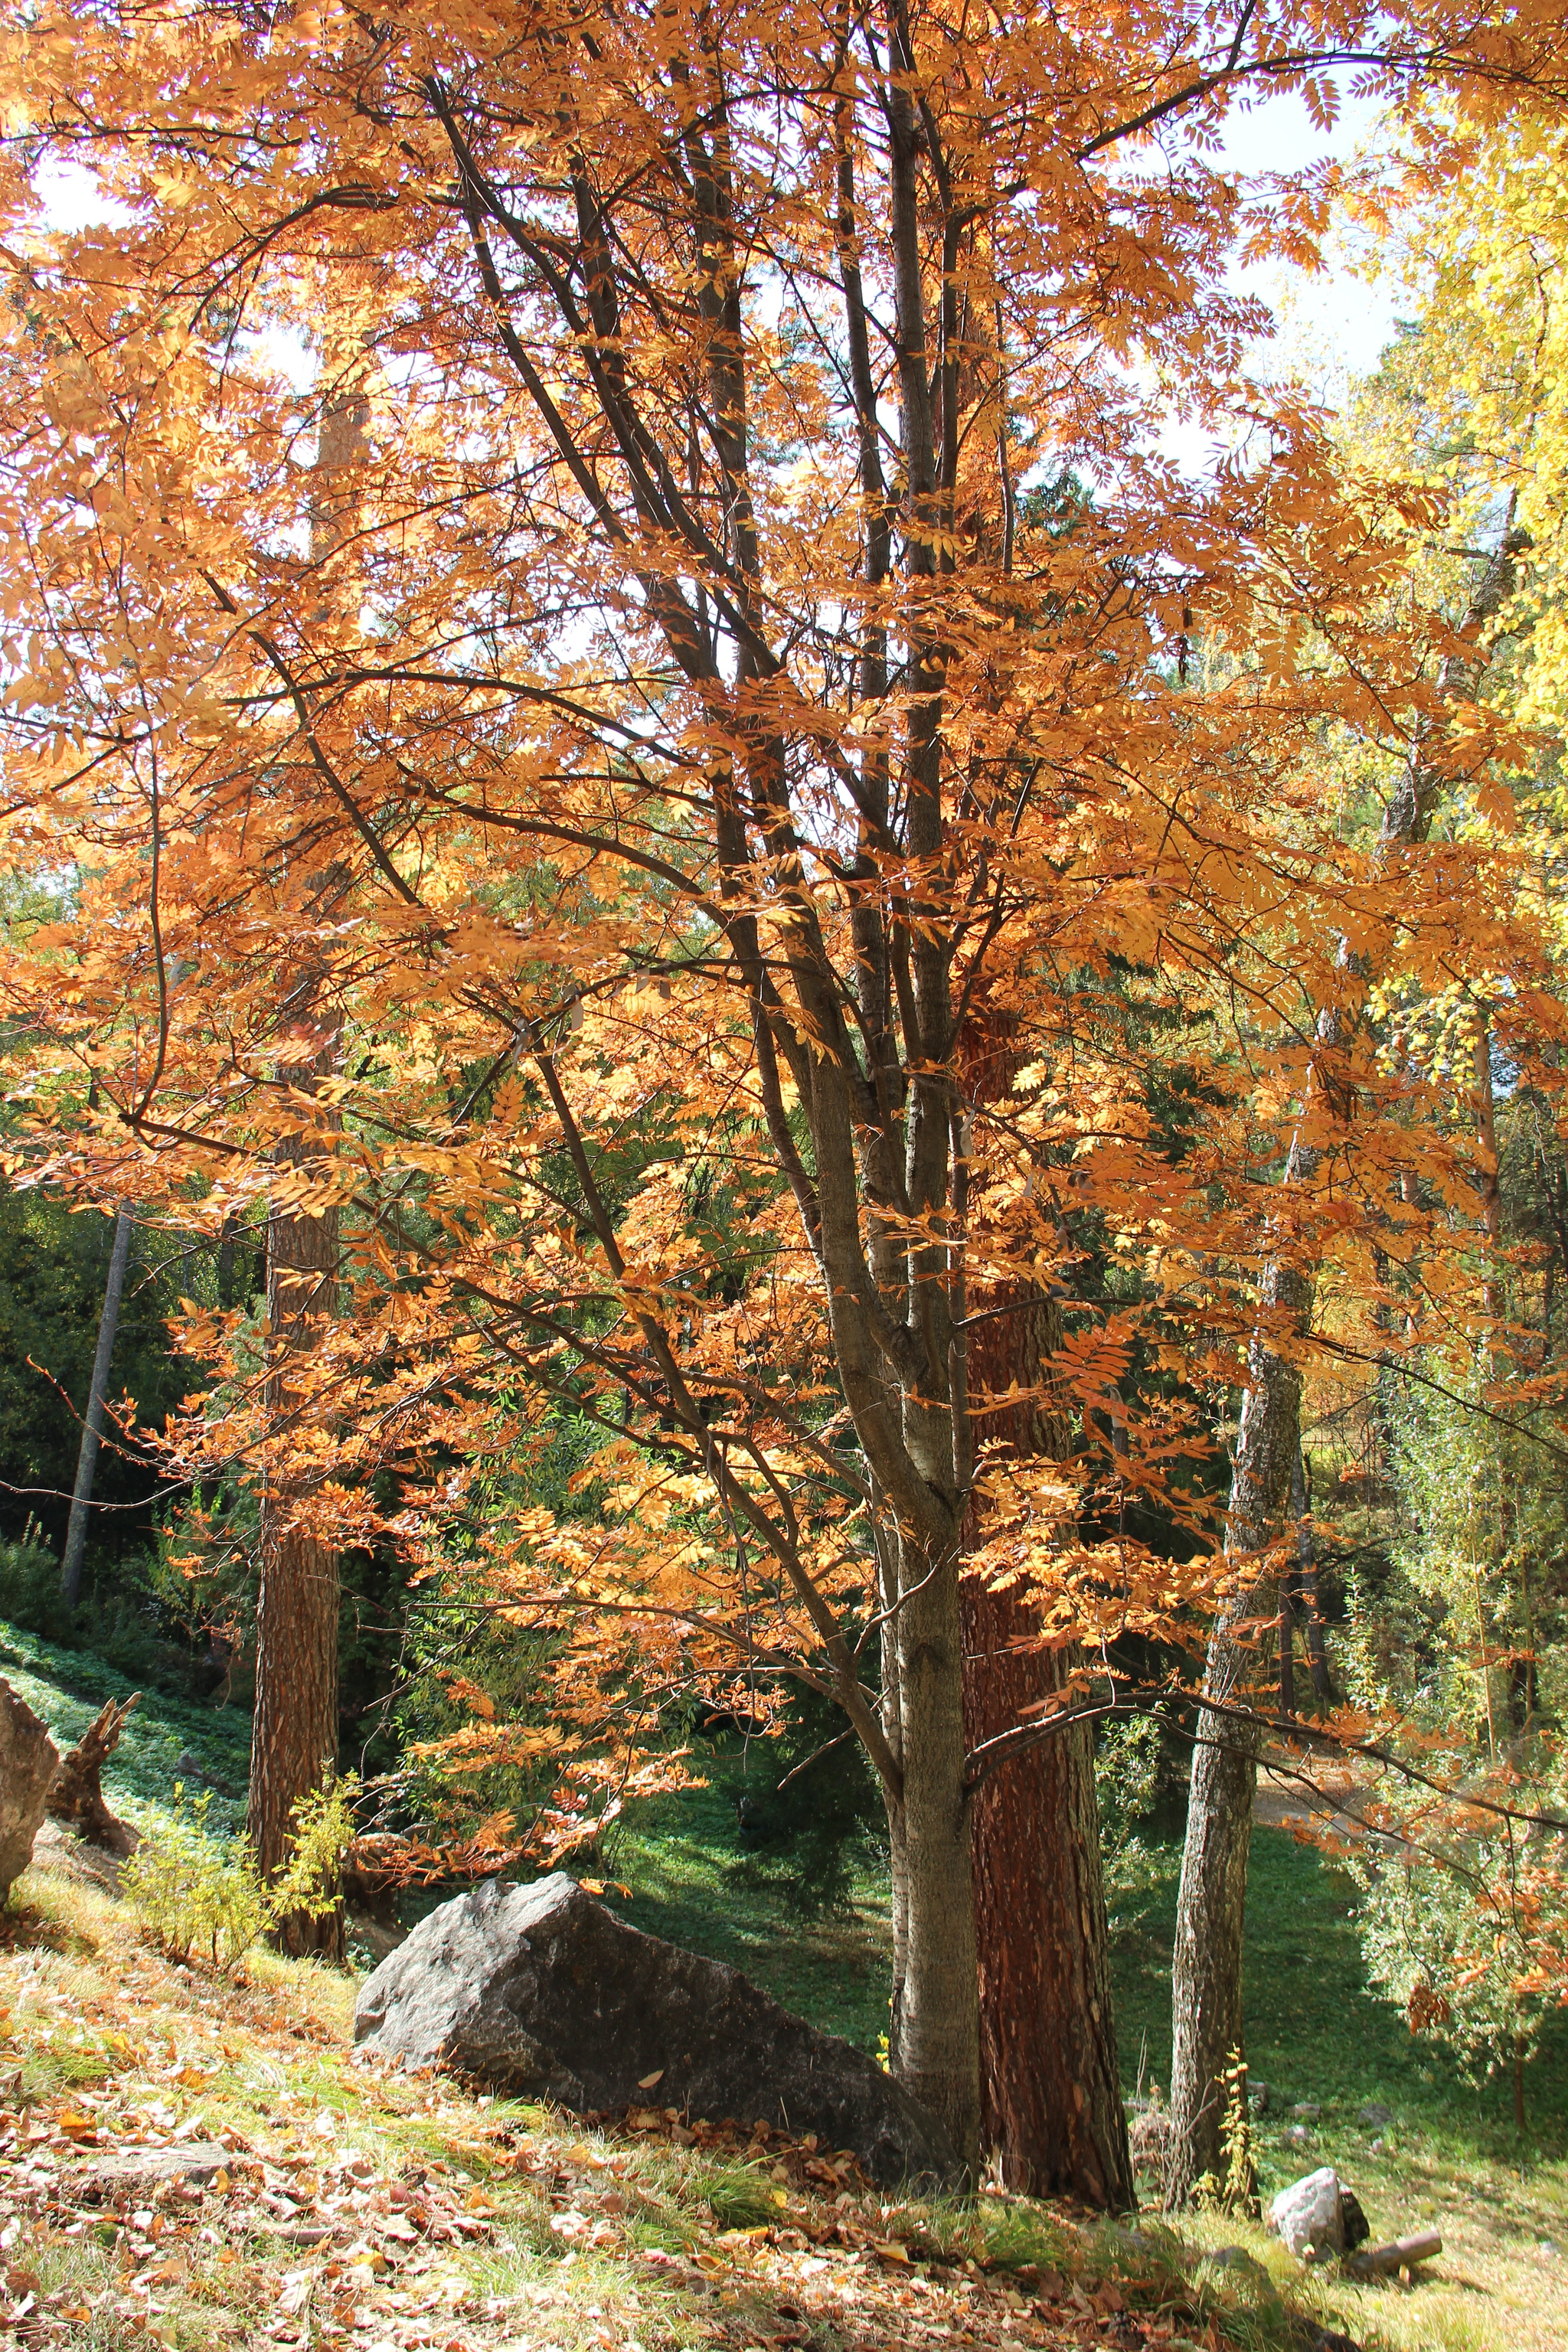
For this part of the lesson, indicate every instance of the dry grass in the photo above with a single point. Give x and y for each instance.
(366, 2210)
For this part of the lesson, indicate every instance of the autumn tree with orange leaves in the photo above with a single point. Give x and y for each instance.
(760, 667)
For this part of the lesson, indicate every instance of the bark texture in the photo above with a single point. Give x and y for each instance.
(76, 1792)
(1206, 2014)
(97, 1406)
(1051, 2115)
(295, 1739)
(294, 1743)
(936, 2023)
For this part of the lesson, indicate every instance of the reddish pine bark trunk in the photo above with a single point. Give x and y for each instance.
(1052, 2119)
(294, 1742)
(1051, 2109)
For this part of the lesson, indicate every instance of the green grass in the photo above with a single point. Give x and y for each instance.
(66, 1688)
(1315, 2031)
(693, 1883)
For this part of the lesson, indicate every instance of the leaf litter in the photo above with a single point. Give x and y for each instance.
(188, 2162)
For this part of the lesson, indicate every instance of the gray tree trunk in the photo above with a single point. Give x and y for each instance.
(1207, 2011)
(97, 1405)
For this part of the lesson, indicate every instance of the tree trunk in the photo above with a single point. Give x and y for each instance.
(1206, 2015)
(1208, 2033)
(97, 1404)
(1052, 2116)
(935, 2032)
(1052, 2119)
(1307, 1581)
(294, 1742)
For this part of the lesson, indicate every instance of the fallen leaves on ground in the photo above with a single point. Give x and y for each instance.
(183, 2172)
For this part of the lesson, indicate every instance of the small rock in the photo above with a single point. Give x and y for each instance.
(1237, 2258)
(1258, 2097)
(1305, 2112)
(1297, 2136)
(28, 1758)
(1374, 2115)
(1309, 2215)
(1377, 2148)
(143, 2167)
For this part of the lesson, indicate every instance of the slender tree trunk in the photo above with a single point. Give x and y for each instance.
(1286, 1637)
(1208, 2029)
(1207, 2014)
(97, 1405)
(1307, 1581)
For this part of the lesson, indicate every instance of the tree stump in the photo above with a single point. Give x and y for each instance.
(75, 1794)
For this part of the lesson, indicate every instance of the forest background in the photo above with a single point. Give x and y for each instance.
(387, 924)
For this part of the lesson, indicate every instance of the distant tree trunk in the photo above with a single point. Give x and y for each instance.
(1307, 1581)
(97, 1405)
(1208, 2035)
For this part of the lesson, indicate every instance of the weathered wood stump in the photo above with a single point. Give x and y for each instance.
(75, 1795)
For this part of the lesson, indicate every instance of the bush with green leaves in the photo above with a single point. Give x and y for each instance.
(197, 1892)
(1128, 1767)
(1466, 1927)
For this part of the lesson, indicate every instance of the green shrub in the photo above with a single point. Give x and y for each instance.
(1127, 1783)
(194, 1891)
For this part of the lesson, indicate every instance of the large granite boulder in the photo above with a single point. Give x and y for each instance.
(542, 1991)
(27, 1761)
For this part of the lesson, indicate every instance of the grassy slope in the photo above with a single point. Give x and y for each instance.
(66, 1688)
(1314, 2032)
(692, 1882)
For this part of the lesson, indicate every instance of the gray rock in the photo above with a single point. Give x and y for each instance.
(542, 1991)
(1309, 2215)
(1305, 2112)
(1257, 2095)
(27, 1761)
(131, 2169)
(1237, 2260)
(1297, 2136)
(1374, 2115)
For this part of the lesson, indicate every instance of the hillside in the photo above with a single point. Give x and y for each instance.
(362, 2209)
